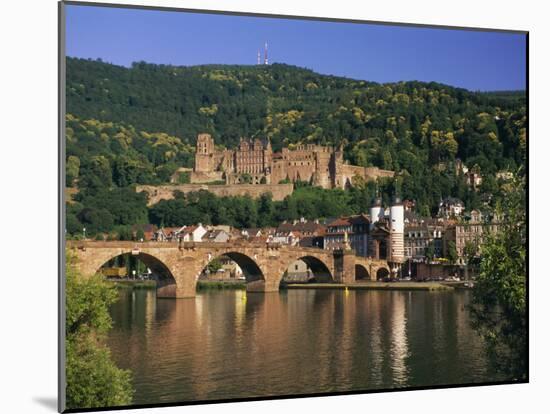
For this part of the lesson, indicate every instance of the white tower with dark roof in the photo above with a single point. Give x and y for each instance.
(397, 232)
(376, 212)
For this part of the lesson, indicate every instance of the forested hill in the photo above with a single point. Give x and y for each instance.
(291, 104)
(137, 125)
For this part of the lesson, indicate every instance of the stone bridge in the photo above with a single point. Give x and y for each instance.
(180, 264)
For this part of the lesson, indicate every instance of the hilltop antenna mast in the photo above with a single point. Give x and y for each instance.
(266, 62)
(259, 57)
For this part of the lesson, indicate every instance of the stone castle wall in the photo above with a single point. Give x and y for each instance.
(367, 173)
(293, 170)
(166, 192)
(320, 165)
(204, 177)
(376, 172)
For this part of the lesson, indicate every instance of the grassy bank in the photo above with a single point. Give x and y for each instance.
(135, 284)
(219, 285)
(215, 284)
(427, 286)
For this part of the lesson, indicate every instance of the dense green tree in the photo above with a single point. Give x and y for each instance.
(246, 178)
(95, 174)
(430, 251)
(127, 171)
(92, 379)
(214, 265)
(248, 212)
(72, 169)
(95, 220)
(452, 254)
(124, 233)
(470, 251)
(72, 225)
(266, 210)
(140, 235)
(125, 205)
(499, 305)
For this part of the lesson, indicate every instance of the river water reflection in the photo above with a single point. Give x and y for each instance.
(229, 344)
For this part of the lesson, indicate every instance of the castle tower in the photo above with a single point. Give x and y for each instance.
(258, 145)
(268, 161)
(204, 153)
(323, 164)
(337, 167)
(397, 235)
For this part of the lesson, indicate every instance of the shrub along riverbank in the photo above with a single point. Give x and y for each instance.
(92, 378)
(215, 284)
(135, 284)
(373, 286)
(241, 285)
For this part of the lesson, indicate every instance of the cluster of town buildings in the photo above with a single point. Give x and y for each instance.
(394, 233)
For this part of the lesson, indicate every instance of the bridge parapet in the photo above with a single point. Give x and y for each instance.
(190, 244)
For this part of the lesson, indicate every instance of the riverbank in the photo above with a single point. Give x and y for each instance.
(218, 284)
(241, 285)
(423, 286)
(134, 284)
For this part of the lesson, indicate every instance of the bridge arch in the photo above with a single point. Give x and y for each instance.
(382, 273)
(317, 269)
(361, 272)
(161, 273)
(250, 268)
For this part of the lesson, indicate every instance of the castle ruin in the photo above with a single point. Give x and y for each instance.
(254, 162)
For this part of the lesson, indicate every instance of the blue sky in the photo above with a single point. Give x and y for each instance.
(469, 59)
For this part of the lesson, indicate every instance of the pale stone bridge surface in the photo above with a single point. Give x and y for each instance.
(263, 265)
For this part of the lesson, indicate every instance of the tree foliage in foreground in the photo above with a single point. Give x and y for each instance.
(498, 308)
(93, 380)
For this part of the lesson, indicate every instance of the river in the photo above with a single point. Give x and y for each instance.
(230, 344)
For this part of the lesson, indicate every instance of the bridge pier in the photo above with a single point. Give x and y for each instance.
(344, 266)
(262, 286)
(174, 292)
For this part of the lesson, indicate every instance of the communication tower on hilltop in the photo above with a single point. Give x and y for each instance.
(259, 57)
(266, 61)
